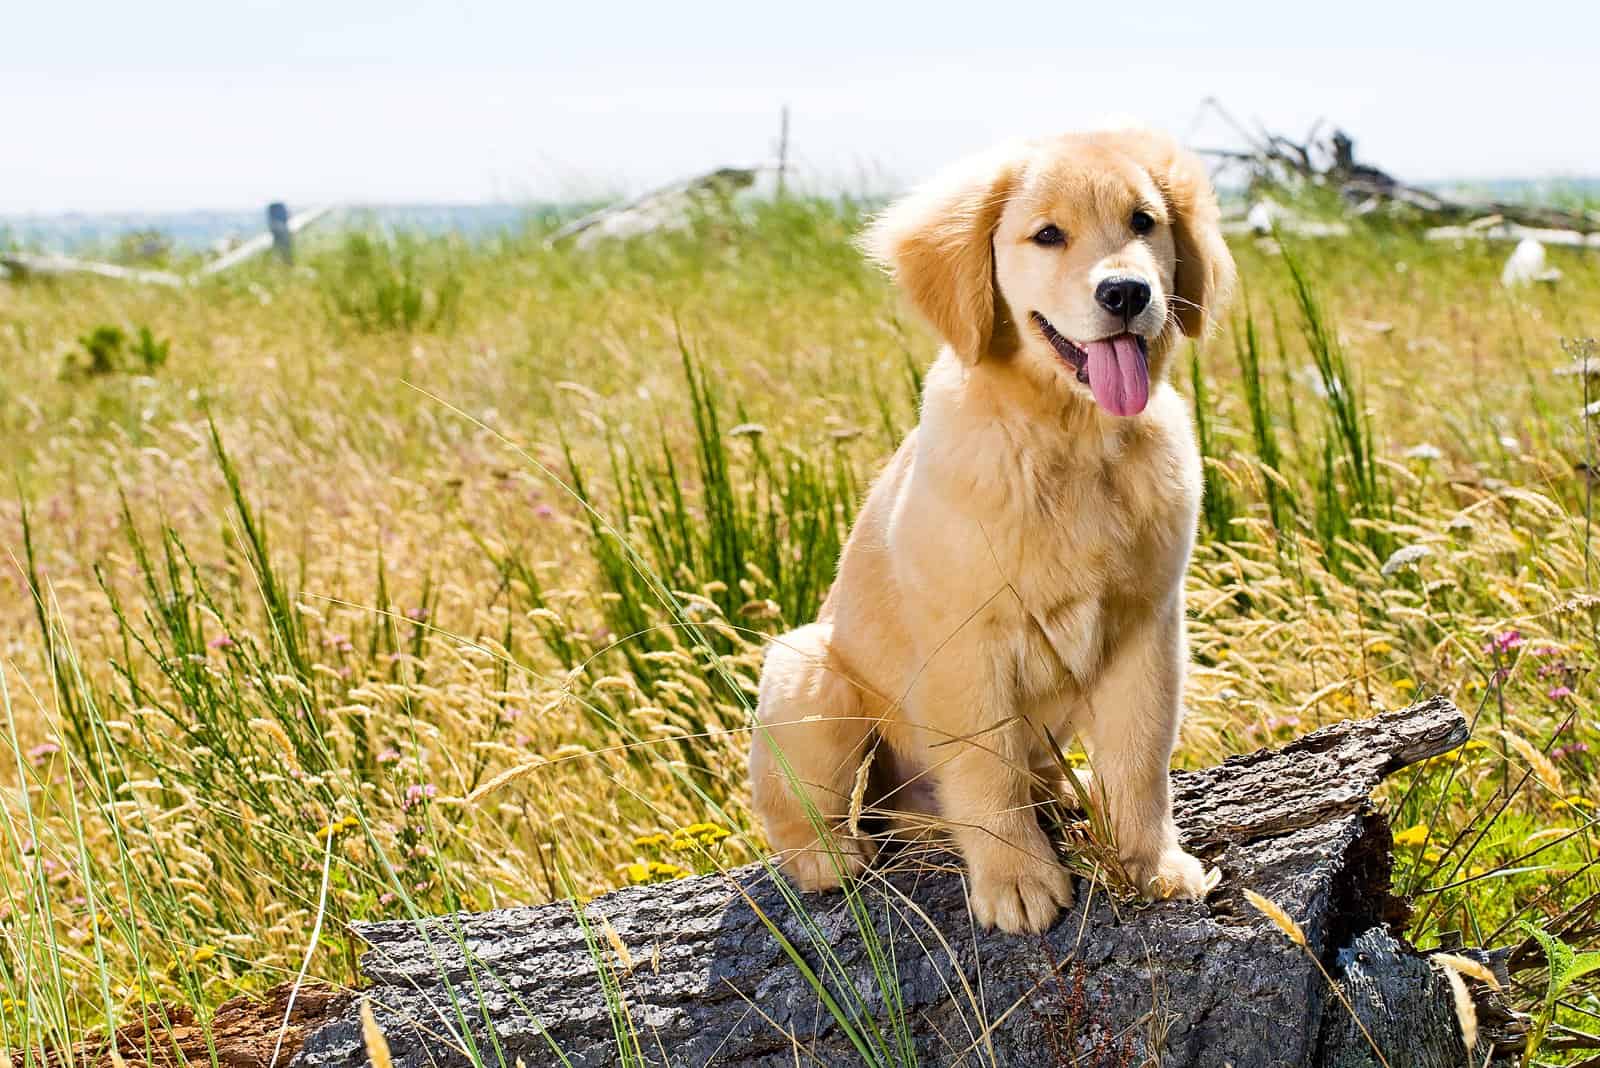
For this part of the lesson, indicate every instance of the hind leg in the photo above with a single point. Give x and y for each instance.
(810, 738)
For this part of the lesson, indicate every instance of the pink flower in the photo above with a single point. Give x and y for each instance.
(1569, 750)
(37, 755)
(1506, 641)
(417, 793)
(221, 641)
(386, 898)
(544, 511)
(1558, 692)
(390, 755)
(417, 615)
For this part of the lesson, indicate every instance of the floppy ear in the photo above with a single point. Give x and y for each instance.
(937, 242)
(1205, 271)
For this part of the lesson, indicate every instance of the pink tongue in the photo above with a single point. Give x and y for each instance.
(1118, 374)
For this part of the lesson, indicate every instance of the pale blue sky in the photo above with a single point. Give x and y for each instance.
(177, 104)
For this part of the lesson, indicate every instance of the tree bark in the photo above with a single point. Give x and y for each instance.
(1190, 983)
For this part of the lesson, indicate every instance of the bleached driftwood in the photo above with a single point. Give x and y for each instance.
(47, 264)
(37, 263)
(261, 242)
(658, 209)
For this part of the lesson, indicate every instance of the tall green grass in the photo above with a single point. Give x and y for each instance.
(245, 755)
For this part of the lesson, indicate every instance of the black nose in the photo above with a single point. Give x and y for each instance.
(1126, 297)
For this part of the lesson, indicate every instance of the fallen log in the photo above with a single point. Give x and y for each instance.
(703, 970)
(45, 265)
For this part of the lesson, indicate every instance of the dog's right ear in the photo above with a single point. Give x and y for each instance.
(937, 243)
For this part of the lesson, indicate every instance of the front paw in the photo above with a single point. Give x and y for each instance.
(1172, 874)
(816, 867)
(1018, 892)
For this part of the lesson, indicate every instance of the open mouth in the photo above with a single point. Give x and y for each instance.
(1116, 369)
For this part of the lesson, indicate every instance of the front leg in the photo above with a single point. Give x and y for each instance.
(1133, 713)
(978, 749)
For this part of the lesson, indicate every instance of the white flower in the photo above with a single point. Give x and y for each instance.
(1424, 452)
(1403, 557)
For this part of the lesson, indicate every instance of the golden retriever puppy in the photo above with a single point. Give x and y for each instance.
(1017, 569)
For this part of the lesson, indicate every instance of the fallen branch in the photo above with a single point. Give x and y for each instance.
(702, 978)
(41, 264)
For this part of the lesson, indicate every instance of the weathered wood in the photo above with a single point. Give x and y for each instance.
(658, 207)
(27, 264)
(245, 1032)
(278, 227)
(1208, 983)
(261, 242)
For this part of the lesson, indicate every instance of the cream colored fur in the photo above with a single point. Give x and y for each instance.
(1017, 569)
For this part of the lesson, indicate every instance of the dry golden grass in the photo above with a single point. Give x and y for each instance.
(408, 483)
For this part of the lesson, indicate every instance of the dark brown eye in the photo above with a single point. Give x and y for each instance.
(1050, 234)
(1142, 222)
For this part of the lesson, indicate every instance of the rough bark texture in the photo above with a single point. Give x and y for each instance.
(1209, 983)
(244, 1033)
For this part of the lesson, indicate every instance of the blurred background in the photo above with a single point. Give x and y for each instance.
(181, 107)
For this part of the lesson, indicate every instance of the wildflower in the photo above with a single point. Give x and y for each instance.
(1412, 836)
(203, 954)
(417, 615)
(1424, 451)
(544, 511)
(660, 838)
(701, 834)
(38, 754)
(387, 898)
(221, 641)
(1505, 641)
(338, 827)
(1407, 556)
(654, 871)
(1405, 685)
(1560, 752)
(391, 755)
(417, 793)
(1558, 692)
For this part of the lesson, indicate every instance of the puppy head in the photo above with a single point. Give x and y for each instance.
(1083, 257)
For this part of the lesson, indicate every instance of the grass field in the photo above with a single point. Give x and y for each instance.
(426, 576)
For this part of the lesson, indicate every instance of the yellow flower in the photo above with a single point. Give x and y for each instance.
(1412, 836)
(649, 841)
(1380, 648)
(1405, 685)
(702, 834)
(338, 827)
(203, 954)
(653, 871)
(1579, 801)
